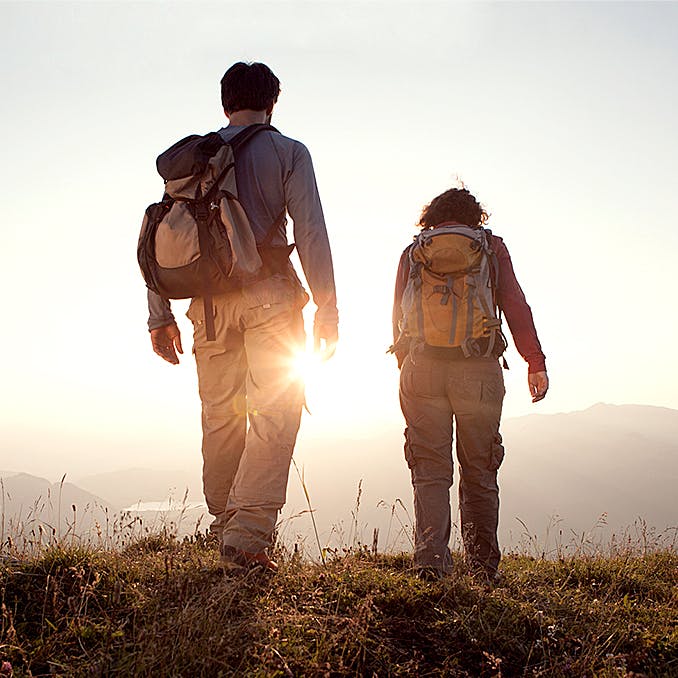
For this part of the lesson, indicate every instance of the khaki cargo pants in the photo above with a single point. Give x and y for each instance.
(435, 394)
(247, 375)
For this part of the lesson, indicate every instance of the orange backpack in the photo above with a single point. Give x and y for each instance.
(449, 300)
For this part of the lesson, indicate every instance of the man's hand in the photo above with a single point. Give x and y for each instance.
(539, 384)
(166, 342)
(329, 333)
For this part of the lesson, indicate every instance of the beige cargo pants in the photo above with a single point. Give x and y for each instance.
(434, 395)
(247, 376)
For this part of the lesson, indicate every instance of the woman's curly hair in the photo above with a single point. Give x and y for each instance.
(456, 204)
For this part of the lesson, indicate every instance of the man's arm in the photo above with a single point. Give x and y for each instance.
(165, 335)
(310, 235)
(511, 300)
(159, 311)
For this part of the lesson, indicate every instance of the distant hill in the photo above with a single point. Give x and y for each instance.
(28, 502)
(618, 460)
(130, 486)
(562, 472)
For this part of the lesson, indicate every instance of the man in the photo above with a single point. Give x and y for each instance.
(246, 373)
(440, 385)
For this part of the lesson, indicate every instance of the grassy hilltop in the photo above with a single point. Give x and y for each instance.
(161, 607)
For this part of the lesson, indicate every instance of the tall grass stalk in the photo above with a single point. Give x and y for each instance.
(311, 511)
(58, 525)
(2, 518)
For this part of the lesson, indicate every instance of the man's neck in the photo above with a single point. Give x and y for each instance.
(247, 117)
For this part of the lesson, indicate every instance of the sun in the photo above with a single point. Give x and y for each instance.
(306, 365)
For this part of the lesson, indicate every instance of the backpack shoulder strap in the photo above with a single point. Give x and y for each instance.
(242, 137)
(277, 223)
(494, 262)
(409, 250)
(237, 142)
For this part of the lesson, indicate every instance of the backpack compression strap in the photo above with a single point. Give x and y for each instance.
(202, 216)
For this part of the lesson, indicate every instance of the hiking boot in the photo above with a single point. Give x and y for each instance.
(495, 579)
(213, 540)
(488, 578)
(429, 573)
(234, 560)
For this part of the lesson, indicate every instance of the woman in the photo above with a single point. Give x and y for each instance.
(458, 380)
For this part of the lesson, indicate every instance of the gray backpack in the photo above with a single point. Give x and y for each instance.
(197, 241)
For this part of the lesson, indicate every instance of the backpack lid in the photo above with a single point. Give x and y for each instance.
(191, 155)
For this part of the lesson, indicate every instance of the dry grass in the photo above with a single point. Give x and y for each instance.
(161, 607)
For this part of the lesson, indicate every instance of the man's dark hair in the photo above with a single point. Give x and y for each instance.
(249, 86)
(458, 205)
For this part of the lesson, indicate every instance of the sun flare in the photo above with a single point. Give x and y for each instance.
(306, 365)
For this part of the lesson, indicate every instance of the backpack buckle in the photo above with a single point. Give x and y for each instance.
(445, 291)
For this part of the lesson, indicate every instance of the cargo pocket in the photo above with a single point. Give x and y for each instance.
(267, 299)
(497, 455)
(422, 379)
(196, 314)
(195, 309)
(409, 457)
(493, 389)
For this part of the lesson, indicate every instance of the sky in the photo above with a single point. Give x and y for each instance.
(559, 117)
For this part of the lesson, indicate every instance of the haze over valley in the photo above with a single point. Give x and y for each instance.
(566, 478)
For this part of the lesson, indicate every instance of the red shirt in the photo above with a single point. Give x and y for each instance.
(510, 298)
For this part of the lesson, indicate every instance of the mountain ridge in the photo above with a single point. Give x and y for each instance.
(615, 460)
